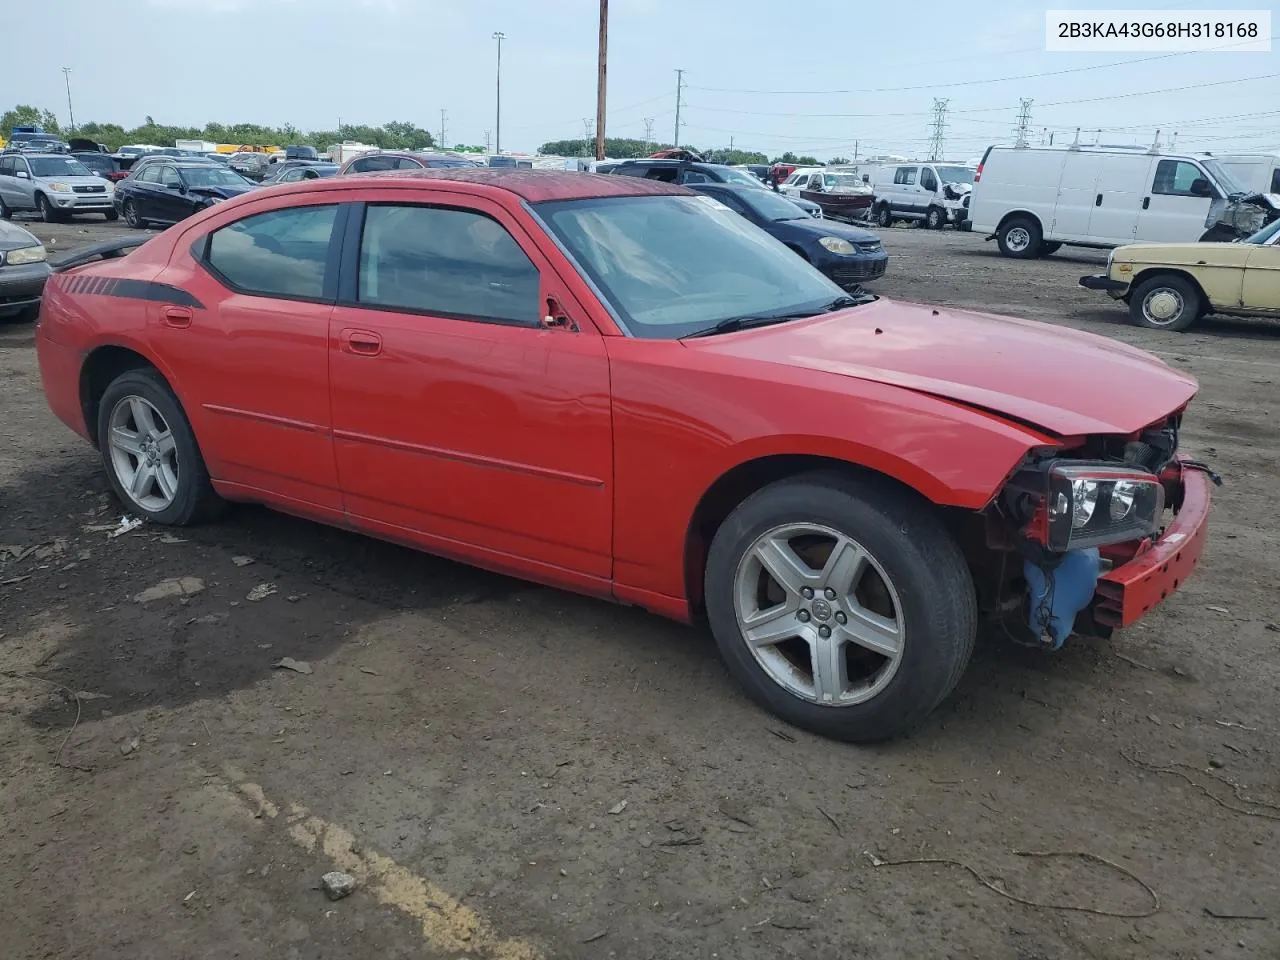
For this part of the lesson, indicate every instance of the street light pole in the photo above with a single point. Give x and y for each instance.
(497, 137)
(66, 72)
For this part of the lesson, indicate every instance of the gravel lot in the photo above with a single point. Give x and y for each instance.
(464, 743)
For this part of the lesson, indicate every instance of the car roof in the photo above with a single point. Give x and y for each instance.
(533, 186)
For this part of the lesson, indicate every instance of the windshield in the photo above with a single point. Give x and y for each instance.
(740, 176)
(58, 167)
(1265, 234)
(1225, 180)
(98, 161)
(955, 174)
(841, 181)
(212, 176)
(771, 206)
(670, 266)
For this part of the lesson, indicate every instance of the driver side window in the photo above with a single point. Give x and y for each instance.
(1175, 177)
(169, 178)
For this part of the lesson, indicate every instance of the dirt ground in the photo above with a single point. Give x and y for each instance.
(464, 743)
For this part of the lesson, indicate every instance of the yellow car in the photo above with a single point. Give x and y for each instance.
(1169, 286)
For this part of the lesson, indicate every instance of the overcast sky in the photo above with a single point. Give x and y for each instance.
(760, 72)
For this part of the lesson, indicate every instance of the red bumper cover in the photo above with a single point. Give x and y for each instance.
(1128, 592)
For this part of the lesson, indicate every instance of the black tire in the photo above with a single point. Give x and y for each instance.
(5, 212)
(111, 216)
(938, 606)
(194, 500)
(131, 216)
(47, 213)
(1020, 237)
(1049, 247)
(884, 216)
(934, 219)
(1185, 298)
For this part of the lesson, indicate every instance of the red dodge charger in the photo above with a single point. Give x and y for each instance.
(619, 387)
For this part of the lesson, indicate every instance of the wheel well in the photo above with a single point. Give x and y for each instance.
(734, 487)
(797, 250)
(100, 368)
(1151, 272)
(1019, 213)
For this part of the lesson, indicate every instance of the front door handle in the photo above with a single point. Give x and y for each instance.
(365, 343)
(1097, 201)
(1146, 202)
(177, 316)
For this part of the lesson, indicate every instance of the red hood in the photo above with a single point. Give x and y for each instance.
(1064, 381)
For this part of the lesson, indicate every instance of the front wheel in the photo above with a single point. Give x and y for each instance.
(841, 604)
(131, 215)
(153, 462)
(1166, 302)
(884, 216)
(111, 216)
(934, 219)
(43, 207)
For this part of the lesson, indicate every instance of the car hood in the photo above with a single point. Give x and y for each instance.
(1185, 254)
(90, 180)
(226, 192)
(1063, 381)
(13, 237)
(831, 228)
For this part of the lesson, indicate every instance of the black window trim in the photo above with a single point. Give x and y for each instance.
(329, 285)
(348, 286)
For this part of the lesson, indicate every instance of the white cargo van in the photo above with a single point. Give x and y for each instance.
(933, 193)
(1256, 172)
(1032, 200)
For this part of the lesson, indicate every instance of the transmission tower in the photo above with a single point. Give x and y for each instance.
(589, 131)
(648, 133)
(442, 140)
(939, 128)
(1021, 134)
(679, 94)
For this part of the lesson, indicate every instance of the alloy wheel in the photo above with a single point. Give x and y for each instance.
(144, 454)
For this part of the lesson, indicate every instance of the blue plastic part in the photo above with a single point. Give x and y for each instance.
(1058, 594)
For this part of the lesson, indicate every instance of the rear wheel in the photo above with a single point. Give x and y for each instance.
(934, 219)
(153, 462)
(131, 215)
(884, 216)
(1020, 237)
(841, 604)
(5, 212)
(1166, 302)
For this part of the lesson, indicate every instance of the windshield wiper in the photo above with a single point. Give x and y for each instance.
(840, 303)
(745, 322)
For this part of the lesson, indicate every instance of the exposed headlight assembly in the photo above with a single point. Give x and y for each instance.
(24, 255)
(838, 245)
(1089, 505)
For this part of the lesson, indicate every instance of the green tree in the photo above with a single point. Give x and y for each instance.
(617, 148)
(843, 161)
(24, 115)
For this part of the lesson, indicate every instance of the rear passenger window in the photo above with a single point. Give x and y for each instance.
(407, 163)
(443, 262)
(276, 254)
(905, 176)
(370, 164)
(693, 176)
(664, 174)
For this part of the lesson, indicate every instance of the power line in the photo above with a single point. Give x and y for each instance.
(977, 83)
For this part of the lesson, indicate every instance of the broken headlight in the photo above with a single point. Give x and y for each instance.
(1087, 505)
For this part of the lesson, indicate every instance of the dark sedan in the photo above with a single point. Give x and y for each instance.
(169, 192)
(846, 254)
(291, 171)
(23, 271)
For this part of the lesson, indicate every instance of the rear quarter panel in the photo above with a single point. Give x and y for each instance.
(683, 418)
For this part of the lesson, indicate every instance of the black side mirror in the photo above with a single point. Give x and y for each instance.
(1200, 187)
(180, 187)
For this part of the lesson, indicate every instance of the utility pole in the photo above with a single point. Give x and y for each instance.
(487, 135)
(648, 133)
(600, 78)
(939, 128)
(679, 93)
(855, 151)
(499, 36)
(66, 72)
(1024, 122)
(442, 140)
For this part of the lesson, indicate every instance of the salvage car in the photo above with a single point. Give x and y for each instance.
(690, 172)
(383, 160)
(55, 186)
(848, 255)
(171, 190)
(1170, 286)
(291, 171)
(23, 271)
(618, 387)
(843, 195)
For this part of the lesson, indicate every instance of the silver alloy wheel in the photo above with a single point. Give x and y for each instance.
(1163, 306)
(1018, 239)
(819, 614)
(144, 454)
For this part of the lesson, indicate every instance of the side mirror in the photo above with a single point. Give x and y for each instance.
(1200, 187)
(23, 175)
(181, 187)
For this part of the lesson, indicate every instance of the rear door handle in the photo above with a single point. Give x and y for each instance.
(366, 343)
(1146, 202)
(177, 316)
(1097, 201)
